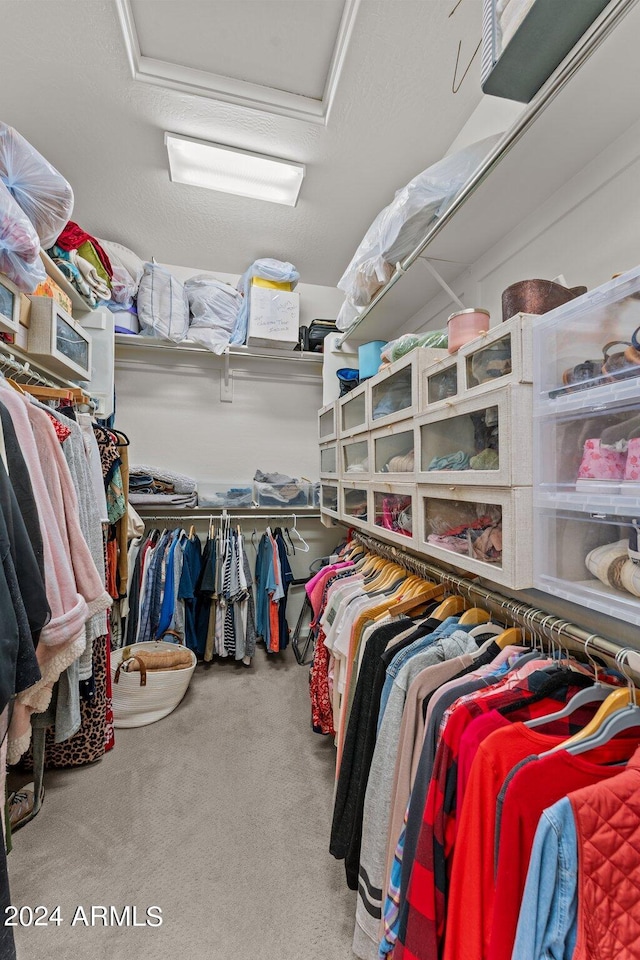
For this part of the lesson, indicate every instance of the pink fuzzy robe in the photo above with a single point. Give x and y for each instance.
(74, 589)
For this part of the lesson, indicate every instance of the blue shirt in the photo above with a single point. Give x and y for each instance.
(547, 927)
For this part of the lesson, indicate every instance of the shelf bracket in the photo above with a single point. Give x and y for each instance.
(226, 380)
(443, 283)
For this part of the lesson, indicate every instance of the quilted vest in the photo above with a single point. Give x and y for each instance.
(607, 820)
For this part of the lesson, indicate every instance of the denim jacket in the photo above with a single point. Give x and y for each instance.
(547, 926)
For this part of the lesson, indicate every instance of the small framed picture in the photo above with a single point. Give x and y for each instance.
(9, 305)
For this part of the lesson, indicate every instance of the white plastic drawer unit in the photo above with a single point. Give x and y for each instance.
(394, 452)
(355, 461)
(327, 423)
(393, 512)
(584, 557)
(329, 460)
(57, 340)
(481, 530)
(480, 440)
(9, 306)
(394, 391)
(354, 503)
(438, 382)
(589, 454)
(353, 411)
(504, 354)
(329, 498)
(587, 352)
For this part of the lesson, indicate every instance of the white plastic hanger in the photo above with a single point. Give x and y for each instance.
(304, 548)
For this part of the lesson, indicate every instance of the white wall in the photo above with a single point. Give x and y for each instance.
(168, 404)
(587, 231)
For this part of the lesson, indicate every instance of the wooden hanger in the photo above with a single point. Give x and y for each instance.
(16, 386)
(474, 615)
(510, 637)
(449, 608)
(618, 700)
(430, 591)
(47, 393)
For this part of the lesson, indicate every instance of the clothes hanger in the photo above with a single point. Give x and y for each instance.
(288, 537)
(16, 386)
(305, 548)
(473, 615)
(483, 628)
(618, 713)
(597, 693)
(430, 591)
(449, 608)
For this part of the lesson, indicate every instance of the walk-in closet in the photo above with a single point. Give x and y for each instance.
(320, 479)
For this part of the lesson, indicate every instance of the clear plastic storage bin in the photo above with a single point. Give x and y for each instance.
(393, 452)
(355, 458)
(353, 411)
(296, 493)
(590, 454)
(587, 352)
(232, 493)
(584, 557)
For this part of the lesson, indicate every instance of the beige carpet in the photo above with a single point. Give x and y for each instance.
(220, 814)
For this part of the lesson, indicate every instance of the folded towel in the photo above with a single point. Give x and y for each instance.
(181, 483)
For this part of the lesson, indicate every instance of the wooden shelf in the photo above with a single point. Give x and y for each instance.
(79, 305)
(588, 103)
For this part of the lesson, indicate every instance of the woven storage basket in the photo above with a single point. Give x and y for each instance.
(135, 705)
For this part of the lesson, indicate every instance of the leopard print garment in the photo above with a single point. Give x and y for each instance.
(88, 744)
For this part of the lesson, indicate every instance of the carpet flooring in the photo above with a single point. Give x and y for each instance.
(219, 814)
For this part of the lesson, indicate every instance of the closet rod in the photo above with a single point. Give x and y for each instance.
(516, 611)
(228, 516)
(581, 53)
(24, 368)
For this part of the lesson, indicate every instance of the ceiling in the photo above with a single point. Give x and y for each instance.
(361, 94)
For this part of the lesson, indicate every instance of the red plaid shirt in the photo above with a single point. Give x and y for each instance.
(422, 924)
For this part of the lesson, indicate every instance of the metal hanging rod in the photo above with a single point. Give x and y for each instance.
(24, 368)
(519, 613)
(580, 55)
(176, 515)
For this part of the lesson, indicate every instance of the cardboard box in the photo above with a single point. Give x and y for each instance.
(274, 318)
(49, 288)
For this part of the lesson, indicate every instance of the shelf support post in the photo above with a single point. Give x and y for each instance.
(226, 381)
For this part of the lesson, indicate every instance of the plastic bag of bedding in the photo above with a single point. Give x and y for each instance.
(163, 309)
(214, 308)
(36, 186)
(19, 245)
(399, 228)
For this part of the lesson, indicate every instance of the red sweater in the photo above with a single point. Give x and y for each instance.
(533, 788)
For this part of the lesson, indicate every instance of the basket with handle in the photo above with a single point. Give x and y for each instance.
(143, 697)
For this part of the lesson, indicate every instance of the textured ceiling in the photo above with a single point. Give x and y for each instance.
(290, 51)
(65, 83)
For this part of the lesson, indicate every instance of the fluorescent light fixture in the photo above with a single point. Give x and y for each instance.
(229, 170)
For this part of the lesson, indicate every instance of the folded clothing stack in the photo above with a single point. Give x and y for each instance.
(279, 490)
(480, 538)
(84, 262)
(153, 486)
